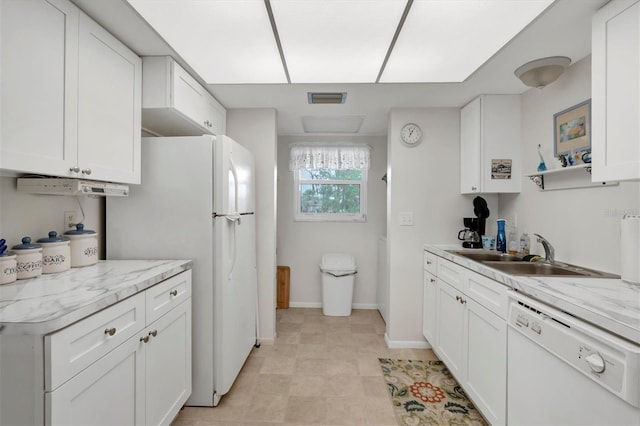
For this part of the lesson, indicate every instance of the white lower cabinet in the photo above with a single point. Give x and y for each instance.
(128, 364)
(429, 319)
(471, 335)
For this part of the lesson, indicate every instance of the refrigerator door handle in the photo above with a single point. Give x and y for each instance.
(234, 172)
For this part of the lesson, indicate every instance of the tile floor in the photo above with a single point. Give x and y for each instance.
(320, 370)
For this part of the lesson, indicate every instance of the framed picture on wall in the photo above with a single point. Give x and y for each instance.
(572, 129)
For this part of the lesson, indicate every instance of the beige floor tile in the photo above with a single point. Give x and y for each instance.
(308, 386)
(278, 365)
(266, 408)
(319, 370)
(273, 384)
(306, 410)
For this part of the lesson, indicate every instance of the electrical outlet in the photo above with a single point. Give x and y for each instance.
(69, 220)
(406, 218)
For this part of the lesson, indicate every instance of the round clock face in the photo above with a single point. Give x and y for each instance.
(411, 134)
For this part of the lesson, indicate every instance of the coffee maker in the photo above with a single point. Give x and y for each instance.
(471, 235)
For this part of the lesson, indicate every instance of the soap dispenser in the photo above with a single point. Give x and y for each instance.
(501, 238)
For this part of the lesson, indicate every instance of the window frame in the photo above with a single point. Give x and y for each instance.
(361, 217)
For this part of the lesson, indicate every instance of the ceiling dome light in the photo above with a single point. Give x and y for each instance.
(542, 72)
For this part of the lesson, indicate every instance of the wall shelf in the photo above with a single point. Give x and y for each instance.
(572, 177)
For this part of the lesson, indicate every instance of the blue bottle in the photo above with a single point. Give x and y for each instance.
(501, 238)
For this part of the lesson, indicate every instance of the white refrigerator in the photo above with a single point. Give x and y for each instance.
(196, 201)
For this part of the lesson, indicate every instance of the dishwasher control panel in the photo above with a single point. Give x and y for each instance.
(605, 358)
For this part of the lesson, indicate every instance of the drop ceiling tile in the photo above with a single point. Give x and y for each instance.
(224, 41)
(447, 40)
(336, 41)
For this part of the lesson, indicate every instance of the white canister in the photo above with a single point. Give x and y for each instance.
(630, 249)
(28, 259)
(84, 246)
(56, 253)
(8, 270)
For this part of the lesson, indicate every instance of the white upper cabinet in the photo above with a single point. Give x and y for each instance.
(109, 100)
(39, 85)
(71, 95)
(615, 103)
(175, 104)
(490, 153)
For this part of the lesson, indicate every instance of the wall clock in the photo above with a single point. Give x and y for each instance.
(411, 134)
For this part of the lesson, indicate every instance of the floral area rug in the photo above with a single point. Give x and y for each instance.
(425, 393)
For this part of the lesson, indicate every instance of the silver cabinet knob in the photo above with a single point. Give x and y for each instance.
(153, 333)
(474, 188)
(74, 169)
(432, 280)
(86, 171)
(173, 292)
(145, 339)
(110, 331)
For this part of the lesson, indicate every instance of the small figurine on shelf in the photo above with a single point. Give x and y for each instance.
(563, 160)
(586, 157)
(570, 158)
(541, 167)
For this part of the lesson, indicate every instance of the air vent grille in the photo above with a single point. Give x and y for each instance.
(326, 98)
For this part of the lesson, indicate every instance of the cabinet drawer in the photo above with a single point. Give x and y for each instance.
(451, 274)
(488, 293)
(70, 350)
(430, 263)
(168, 294)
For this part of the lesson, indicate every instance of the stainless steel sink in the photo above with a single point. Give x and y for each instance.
(486, 255)
(547, 269)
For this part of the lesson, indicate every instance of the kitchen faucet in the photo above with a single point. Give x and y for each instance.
(549, 252)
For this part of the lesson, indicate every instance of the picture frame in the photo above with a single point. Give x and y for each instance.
(572, 129)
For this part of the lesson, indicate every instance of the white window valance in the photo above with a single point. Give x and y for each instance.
(338, 156)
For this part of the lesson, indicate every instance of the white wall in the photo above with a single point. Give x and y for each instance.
(583, 225)
(256, 130)
(34, 215)
(302, 244)
(424, 180)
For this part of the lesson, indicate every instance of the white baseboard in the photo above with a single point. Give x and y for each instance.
(319, 305)
(406, 344)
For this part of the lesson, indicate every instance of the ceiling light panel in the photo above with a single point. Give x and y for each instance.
(336, 41)
(224, 41)
(448, 40)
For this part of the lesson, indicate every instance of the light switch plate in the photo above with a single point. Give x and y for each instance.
(406, 218)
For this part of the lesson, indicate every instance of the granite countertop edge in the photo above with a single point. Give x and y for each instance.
(608, 303)
(48, 303)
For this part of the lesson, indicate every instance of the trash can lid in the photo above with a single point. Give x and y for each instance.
(338, 262)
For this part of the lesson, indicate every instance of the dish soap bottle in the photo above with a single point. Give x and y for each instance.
(512, 240)
(524, 244)
(501, 238)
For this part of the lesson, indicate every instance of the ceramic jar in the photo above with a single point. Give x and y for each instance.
(56, 253)
(8, 270)
(84, 246)
(28, 259)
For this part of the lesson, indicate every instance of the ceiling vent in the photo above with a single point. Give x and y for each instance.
(326, 98)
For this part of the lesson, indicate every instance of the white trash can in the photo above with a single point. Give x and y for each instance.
(338, 275)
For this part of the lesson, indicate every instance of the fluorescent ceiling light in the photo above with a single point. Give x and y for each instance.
(336, 41)
(224, 41)
(447, 40)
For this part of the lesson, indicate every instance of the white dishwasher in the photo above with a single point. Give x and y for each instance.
(564, 371)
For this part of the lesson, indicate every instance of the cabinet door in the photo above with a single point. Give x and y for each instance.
(109, 392)
(189, 97)
(109, 102)
(216, 116)
(429, 317)
(470, 131)
(485, 378)
(168, 365)
(450, 331)
(616, 92)
(39, 48)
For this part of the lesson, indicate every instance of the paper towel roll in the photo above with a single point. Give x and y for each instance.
(630, 249)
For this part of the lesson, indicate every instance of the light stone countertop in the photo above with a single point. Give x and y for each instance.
(41, 305)
(609, 303)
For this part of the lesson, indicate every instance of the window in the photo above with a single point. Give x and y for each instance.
(330, 182)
